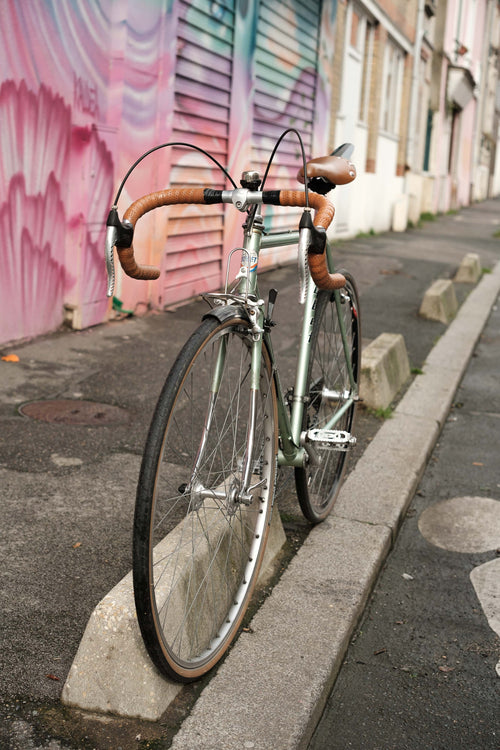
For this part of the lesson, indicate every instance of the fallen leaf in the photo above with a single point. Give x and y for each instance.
(76, 545)
(11, 358)
(445, 668)
(52, 677)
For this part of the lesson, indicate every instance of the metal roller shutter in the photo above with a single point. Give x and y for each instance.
(201, 116)
(285, 88)
(285, 73)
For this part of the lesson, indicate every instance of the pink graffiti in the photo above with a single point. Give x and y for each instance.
(43, 162)
(33, 278)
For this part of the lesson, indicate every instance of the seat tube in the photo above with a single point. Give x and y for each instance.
(249, 285)
(250, 257)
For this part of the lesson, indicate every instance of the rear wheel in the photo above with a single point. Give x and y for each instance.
(200, 526)
(329, 390)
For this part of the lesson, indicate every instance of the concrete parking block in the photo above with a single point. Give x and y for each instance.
(469, 271)
(431, 394)
(112, 671)
(384, 369)
(440, 302)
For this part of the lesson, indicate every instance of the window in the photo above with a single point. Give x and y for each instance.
(355, 30)
(358, 65)
(364, 99)
(391, 88)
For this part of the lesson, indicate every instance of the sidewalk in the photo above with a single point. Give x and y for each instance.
(69, 491)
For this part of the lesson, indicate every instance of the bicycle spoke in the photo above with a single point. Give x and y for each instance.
(330, 388)
(207, 535)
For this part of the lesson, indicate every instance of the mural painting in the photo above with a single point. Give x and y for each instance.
(86, 87)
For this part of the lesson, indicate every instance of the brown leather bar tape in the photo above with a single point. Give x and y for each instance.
(162, 198)
(323, 218)
(141, 207)
(132, 268)
(321, 275)
(317, 263)
(324, 209)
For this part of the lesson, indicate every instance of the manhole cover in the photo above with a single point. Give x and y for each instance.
(68, 411)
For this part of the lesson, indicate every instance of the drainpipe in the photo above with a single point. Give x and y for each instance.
(458, 40)
(412, 129)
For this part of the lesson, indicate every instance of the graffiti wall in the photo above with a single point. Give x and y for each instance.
(66, 93)
(86, 86)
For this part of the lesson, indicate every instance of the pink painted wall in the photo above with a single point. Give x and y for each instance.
(56, 170)
(86, 86)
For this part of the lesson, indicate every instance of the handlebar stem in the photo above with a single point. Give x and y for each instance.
(242, 198)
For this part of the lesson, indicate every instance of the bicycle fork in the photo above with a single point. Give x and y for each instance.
(240, 490)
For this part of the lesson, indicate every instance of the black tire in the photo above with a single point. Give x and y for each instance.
(318, 485)
(197, 547)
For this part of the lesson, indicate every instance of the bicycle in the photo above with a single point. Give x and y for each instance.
(223, 423)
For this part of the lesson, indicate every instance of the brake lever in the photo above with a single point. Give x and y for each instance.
(111, 237)
(118, 234)
(312, 239)
(303, 266)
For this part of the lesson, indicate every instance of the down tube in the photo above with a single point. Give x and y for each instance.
(303, 362)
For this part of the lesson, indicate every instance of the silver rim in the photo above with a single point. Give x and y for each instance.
(206, 543)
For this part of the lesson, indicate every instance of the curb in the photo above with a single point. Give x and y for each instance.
(277, 678)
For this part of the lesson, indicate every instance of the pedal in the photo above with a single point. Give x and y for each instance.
(337, 440)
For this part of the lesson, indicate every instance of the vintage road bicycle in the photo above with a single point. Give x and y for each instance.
(223, 423)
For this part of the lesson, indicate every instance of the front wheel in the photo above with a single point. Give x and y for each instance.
(203, 502)
(330, 391)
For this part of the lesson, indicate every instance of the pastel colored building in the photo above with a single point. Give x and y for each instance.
(456, 152)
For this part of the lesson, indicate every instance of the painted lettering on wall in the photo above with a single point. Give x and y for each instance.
(85, 97)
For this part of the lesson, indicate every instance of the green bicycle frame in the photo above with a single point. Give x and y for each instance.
(290, 421)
